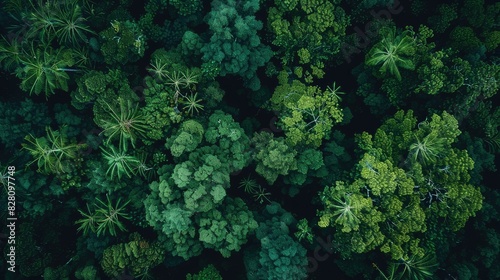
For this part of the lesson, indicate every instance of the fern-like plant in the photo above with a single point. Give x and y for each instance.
(119, 163)
(411, 268)
(392, 52)
(427, 150)
(192, 104)
(70, 24)
(10, 53)
(124, 123)
(158, 69)
(109, 216)
(51, 153)
(106, 218)
(45, 70)
(249, 185)
(53, 19)
(88, 223)
(345, 211)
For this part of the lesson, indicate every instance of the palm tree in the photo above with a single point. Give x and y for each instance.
(126, 123)
(108, 216)
(249, 185)
(427, 150)
(411, 268)
(10, 53)
(69, 25)
(393, 52)
(418, 267)
(158, 69)
(44, 70)
(51, 152)
(192, 104)
(50, 19)
(345, 212)
(119, 163)
(88, 223)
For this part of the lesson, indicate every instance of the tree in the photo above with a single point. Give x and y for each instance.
(119, 163)
(44, 70)
(234, 44)
(106, 217)
(393, 52)
(306, 34)
(125, 123)
(307, 113)
(53, 152)
(399, 186)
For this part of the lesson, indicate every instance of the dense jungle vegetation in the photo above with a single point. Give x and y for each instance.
(249, 139)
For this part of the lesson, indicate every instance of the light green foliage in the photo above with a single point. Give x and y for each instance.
(119, 162)
(441, 72)
(138, 256)
(104, 217)
(307, 33)
(98, 85)
(234, 43)
(187, 138)
(124, 122)
(230, 137)
(400, 183)
(273, 156)
(122, 42)
(52, 19)
(414, 267)
(159, 110)
(209, 272)
(44, 70)
(172, 88)
(53, 153)
(88, 272)
(10, 53)
(204, 183)
(392, 52)
(307, 113)
(304, 231)
(225, 230)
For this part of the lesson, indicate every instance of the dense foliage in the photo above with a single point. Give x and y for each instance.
(259, 139)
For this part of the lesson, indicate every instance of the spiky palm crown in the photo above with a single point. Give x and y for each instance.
(345, 211)
(43, 70)
(52, 152)
(249, 185)
(392, 52)
(109, 216)
(125, 123)
(158, 69)
(106, 218)
(51, 19)
(119, 163)
(427, 150)
(192, 104)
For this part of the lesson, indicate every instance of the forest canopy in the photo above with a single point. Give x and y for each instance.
(259, 139)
